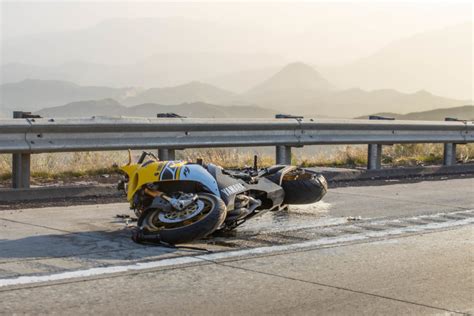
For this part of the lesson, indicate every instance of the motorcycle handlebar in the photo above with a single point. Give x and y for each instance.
(142, 157)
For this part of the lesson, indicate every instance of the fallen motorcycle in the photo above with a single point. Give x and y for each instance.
(178, 202)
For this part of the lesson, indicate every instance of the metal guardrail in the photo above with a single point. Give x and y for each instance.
(38, 135)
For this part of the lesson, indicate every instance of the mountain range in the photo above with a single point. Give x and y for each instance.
(297, 88)
(144, 52)
(163, 69)
(32, 95)
(110, 107)
(440, 61)
(301, 88)
(461, 113)
(172, 51)
(190, 92)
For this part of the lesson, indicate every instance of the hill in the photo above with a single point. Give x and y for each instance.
(354, 102)
(33, 95)
(293, 77)
(462, 113)
(202, 110)
(105, 107)
(244, 80)
(439, 61)
(109, 107)
(303, 90)
(164, 69)
(190, 92)
(296, 85)
(153, 51)
(170, 51)
(296, 88)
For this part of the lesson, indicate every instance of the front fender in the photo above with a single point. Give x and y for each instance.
(276, 173)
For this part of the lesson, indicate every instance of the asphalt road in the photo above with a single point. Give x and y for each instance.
(399, 248)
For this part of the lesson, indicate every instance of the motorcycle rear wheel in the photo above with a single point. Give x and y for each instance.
(304, 187)
(202, 224)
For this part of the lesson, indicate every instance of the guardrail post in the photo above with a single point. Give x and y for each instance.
(374, 156)
(449, 154)
(374, 160)
(283, 155)
(21, 171)
(282, 152)
(166, 154)
(21, 162)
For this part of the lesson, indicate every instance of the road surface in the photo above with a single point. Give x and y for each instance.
(399, 248)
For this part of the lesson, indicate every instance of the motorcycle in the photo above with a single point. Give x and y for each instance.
(178, 202)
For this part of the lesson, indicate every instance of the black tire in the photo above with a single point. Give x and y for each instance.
(304, 191)
(184, 234)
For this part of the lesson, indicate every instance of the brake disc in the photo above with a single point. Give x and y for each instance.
(177, 216)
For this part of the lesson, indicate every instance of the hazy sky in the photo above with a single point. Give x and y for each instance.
(364, 26)
(403, 45)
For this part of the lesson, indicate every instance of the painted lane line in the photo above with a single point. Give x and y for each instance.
(334, 240)
(98, 271)
(22, 280)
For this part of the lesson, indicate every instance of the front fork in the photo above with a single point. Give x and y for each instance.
(177, 203)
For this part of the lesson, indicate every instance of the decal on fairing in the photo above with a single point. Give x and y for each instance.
(179, 170)
(186, 171)
(169, 170)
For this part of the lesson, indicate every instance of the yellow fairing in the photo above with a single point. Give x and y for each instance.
(150, 172)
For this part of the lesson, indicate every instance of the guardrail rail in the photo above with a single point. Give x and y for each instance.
(25, 136)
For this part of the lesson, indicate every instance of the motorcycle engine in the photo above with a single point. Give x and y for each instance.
(241, 201)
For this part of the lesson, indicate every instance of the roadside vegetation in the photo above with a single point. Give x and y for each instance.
(67, 167)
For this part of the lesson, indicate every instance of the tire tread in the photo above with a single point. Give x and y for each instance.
(305, 191)
(197, 230)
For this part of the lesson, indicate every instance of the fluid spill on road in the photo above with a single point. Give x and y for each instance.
(296, 217)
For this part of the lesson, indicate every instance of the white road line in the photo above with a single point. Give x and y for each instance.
(335, 240)
(22, 280)
(98, 271)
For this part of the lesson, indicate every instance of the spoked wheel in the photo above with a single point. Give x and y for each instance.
(197, 220)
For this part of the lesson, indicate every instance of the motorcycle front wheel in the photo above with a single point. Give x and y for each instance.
(196, 221)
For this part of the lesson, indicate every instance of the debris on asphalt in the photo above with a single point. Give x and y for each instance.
(127, 219)
(353, 218)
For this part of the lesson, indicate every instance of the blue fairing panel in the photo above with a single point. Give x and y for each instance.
(194, 172)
